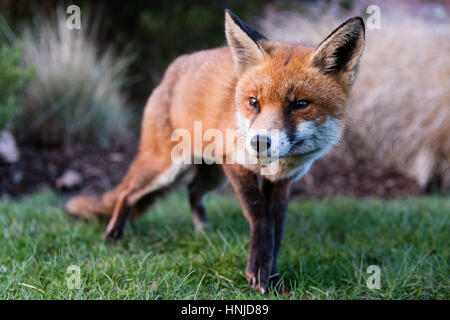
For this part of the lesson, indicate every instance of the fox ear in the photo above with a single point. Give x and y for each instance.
(245, 42)
(340, 52)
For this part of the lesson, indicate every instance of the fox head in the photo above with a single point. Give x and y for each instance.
(298, 92)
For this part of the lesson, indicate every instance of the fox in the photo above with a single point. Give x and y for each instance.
(255, 87)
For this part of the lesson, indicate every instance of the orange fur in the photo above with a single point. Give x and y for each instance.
(214, 86)
(204, 86)
(251, 88)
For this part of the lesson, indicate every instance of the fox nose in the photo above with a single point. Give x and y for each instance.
(260, 143)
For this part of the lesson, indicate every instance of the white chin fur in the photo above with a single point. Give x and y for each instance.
(316, 136)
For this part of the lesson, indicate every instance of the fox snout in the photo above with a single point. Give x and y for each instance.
(263, 134)
(264, 143)
(307, 138)
(260, 143)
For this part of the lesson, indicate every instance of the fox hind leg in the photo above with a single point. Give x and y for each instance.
(143, 185)
(92, 208)
(207, 178)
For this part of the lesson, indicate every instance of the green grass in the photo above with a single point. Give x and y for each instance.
(327, 248)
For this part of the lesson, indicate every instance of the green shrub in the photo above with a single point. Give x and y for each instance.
(77, 93)
(13, 81)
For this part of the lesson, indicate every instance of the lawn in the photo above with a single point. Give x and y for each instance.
(327, 248)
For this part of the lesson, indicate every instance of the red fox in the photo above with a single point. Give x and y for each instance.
(255, 87)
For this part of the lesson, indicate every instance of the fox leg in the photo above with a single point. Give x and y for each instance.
(118, 220)
(262, 229)
(278, 196)
(264, 204)
(147, 179)
(207, 178)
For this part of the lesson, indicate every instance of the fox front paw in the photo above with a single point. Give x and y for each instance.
(113, 234)
(258, 284)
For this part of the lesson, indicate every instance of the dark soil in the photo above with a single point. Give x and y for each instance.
(335, 175)
(103, 168)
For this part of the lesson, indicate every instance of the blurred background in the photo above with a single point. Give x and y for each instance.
(71, 100)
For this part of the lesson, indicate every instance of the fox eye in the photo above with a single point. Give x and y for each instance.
(252, 102)
(299, 104)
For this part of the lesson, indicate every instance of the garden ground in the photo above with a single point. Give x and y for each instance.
(328, 245)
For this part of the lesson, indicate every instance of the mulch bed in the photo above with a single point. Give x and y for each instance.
(338, 175)
(102, 168)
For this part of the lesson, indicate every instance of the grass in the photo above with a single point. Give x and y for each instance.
(327, 248)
